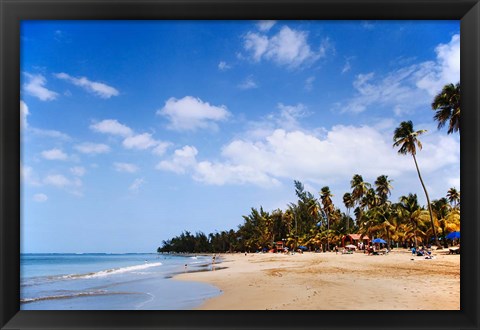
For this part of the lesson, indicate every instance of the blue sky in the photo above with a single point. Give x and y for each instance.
(135, 131)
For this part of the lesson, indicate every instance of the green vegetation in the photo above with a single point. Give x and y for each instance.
(317, 223)
(447, 107)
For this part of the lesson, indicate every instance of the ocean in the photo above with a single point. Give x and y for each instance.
(111, 282)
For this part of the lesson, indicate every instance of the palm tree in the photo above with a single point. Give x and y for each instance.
(370, 200)
(288, 218)
(447, 107)
(359, 189)
(313, 208)
(383, 187)
(441, 209)
(406, 138)
(349, 203)
(453, 196)
(328, 208)
(384, 222)
(326, 197)
(411, 210)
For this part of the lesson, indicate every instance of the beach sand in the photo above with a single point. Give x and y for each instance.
(329, 281)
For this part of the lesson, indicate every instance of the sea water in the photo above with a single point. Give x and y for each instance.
(111, 282)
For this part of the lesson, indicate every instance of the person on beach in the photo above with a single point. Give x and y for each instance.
(213, 263)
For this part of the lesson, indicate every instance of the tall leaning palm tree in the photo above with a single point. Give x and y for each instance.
(406, 138)
(447, 107)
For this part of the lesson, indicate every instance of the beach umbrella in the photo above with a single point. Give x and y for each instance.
(453, 235)
(378, 240)
(351, 246)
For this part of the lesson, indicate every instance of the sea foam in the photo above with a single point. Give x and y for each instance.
(112, 271)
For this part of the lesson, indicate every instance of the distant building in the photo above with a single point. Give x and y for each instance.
(355, 239)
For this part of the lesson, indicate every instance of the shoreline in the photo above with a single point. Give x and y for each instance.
(144, 283)
(329, 281)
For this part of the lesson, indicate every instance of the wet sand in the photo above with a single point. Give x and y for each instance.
(329, 281)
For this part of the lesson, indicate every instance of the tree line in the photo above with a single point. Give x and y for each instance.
(316, 223)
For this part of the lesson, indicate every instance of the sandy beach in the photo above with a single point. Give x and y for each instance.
(329, 281)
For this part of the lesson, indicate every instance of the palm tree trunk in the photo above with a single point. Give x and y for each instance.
(428, 202)
(348, 219)
(415, 235)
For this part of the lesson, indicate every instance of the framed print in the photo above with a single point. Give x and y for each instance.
(239, 164)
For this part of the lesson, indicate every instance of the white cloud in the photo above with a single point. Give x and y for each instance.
(184, 161)
(190, 113)
(23, 115)
(131, 140)
(125, 167)
(221, 173)
(92, 148)
(49, 133)
(40, 198)
(248, 83)
(345, 150)
(27, 176)
(266, 25)
(78, 170)
(257, 44)
(57, 180)
(407, 88)
(288, 47)
(139, 141)
(288, 116)
(35, 86)
(332, 158)
(54, 154)
(161, 148)
(445, 70)
(395, 90)
(135, 186)
(181, 160)
(72, 186)
(99, 89)
(223, 66)
(454, 182)
(112, 126)
(24, 112)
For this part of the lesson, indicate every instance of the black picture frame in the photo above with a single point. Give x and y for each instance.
(13, 11)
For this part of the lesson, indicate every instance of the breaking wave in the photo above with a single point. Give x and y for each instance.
(112, 271)
(99, 274)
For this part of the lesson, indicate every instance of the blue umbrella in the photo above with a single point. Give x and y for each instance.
(378, 240)
(304, 248)
(453, 235)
